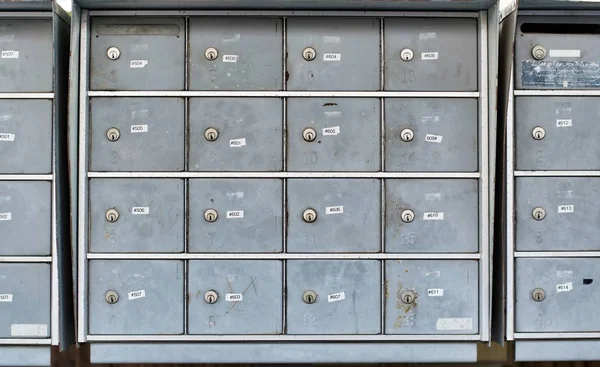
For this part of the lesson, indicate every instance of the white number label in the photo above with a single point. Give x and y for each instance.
(237, 143)
(334, 130)
(234, 214)
(332, 57)
(335, 297)
(10, 54)
(5, 216)
(6, 297)
(7, 137)
(566, 208)
(139, 129)
(437, 292)
(430, 138)
(230, 58)
(430, 55)
(29, 330)
(433, 216)
(140, 210)
(234, 297)
(454, 324)
(334, 209)
(136, 294)
(138, 64)
(564, 123)
(566, 287)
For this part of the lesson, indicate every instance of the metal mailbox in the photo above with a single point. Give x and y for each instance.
(431, 216)
(136, 215)
(431, 54)
(431, 297)
(435, 134)
(273, 145)
(136, 297)
(137, 134)
(323, 134)
(26, 126)
(36, 271)
(552, 195)
(235, 215)
(236, 134)
(345, 297)
(137, 53)
(235, 297)
(242, 55)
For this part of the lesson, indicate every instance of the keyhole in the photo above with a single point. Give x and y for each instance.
(309, 54)
(210, 215)
(408, 297)
(309, 134)
(309, 297)
(211, 53)
(113, 134)
(538, 294)
(407, 135)
(408, 216)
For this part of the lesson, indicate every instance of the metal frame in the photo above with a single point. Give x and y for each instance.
(487, 126)
(512, 174)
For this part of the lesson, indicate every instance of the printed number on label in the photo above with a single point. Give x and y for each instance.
(233, 214)
(233, 297)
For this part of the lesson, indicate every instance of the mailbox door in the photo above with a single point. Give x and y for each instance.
(347, 53)
(150, 297)
(570, 291)
(571, 48)
(348, 215)
(249, 53)
(25, 218)
(249, 215)
(347, 134)
(570, 219)
(444, 54)
(25, 300)
(26, 136)
(249, 134)
(442, 135)
(150, 134)
(26, 63)
(249, 297)
(150, 215)
(151, 53)
(445, 215)
(569, 139)
(432, 297)
(348, 297)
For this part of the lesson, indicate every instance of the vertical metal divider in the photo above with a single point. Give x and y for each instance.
(484, 215)
(510, 214)
(82, 240)
(382, 206)
(54, 287)
(284, 181)
(186, 182)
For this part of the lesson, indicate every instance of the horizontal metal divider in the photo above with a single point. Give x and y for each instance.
(26, 95)
(278, 338)
(280, 256)
(556, 335)
(557, 173)
(25, 342)
(25, 259)
(26, 14)
(556, 92)
(11, 177)
(288, 13)
(383, 175)
(556, 254)
(283, 94)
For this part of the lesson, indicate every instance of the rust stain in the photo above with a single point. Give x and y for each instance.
(404, 309)
(387, 289)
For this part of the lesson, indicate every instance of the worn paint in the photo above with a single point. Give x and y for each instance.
(560, 74)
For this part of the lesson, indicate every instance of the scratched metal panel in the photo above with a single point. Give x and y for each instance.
(25, 301)
(151, 134)
(445, 297)
(26, 136)
(570, 303)
(26, 62)
(150, 297)
(348, 134)
(446, 216)
(151, 53)
(348, 297)
(250, 55)
(249, 215)
(445, 134)
(257, 284)
(444, 54)
(571, 206)
(151, 215)
(250, 134)
(572, 135)
(572, 60)
(348, 215)
(347, 54)
(25, 218)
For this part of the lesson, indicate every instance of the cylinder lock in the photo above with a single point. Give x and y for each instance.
(210, 215)
(113, 134)
(407, 297)
(538, 133)
(309, 54)
(539, 52)
(309, 134)
(113, 53)
(407, 216)
(111, 297)
(211, 134)
(211, 54)
(309, 215)
(407, 54)
(309, 297)
(211, 297)
(112, 215)
(407, 135)
(538, 213)
(538, 294)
